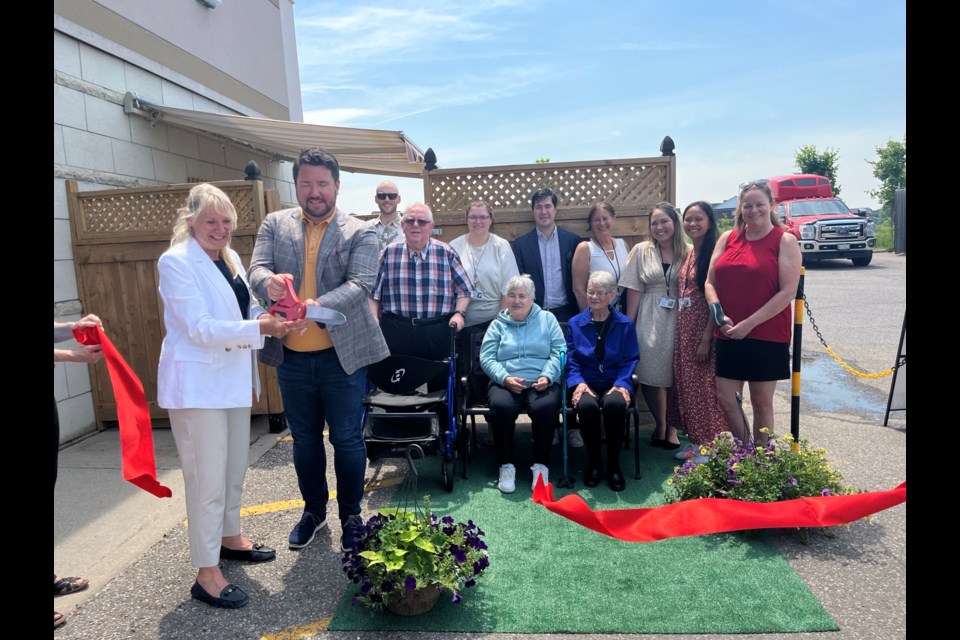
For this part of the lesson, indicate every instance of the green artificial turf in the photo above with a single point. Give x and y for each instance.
(549, 575)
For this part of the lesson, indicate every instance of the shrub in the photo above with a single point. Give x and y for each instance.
(780, 470)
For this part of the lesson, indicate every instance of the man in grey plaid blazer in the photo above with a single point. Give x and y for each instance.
(331, 258)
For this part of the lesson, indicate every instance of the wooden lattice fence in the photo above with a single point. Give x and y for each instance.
(118, 236)
(633, 186)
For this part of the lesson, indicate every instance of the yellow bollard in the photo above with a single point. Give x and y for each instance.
(795, 375)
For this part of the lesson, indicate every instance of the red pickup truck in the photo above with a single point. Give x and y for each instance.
(824, 226)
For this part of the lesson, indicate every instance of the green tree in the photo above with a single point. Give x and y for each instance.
(543, 160)
(891, 170)
(808, 160)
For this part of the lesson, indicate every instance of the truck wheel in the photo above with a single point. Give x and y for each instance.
(861, 262)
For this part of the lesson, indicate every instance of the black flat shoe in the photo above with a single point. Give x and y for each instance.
(592, 477)
(670, 446)
(656, 442)
(616, 480)
(232, 596)
(258, 553)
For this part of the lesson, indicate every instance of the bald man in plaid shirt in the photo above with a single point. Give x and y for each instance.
(422, 290)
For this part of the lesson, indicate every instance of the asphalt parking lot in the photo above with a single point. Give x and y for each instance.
(133, 547)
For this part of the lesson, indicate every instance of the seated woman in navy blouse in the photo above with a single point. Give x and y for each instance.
(603, 352)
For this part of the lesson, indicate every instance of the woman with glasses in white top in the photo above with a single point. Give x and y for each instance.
(490, 263)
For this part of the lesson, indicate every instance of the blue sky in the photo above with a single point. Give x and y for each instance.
(739, 86)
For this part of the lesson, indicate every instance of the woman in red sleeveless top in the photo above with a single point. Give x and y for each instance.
(753, 275)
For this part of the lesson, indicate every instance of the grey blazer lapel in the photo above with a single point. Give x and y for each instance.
(328, 247)
(295, 236)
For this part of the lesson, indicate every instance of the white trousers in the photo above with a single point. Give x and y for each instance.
(214, 448)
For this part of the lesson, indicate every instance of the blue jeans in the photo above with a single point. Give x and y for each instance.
(316, 389)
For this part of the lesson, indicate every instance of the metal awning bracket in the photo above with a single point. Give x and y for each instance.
(133, 105)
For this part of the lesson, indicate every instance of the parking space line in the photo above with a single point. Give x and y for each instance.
(300, 631)
(288, 505)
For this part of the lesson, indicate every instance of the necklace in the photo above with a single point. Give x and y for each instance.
(600, 351)
(477, 255)
(475, 258)
(615, 263)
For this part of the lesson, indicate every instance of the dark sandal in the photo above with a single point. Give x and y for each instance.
(65, 586)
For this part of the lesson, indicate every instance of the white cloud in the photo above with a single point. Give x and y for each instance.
(336, 117)
(369, 33)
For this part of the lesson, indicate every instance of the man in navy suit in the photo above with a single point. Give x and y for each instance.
(546, 253)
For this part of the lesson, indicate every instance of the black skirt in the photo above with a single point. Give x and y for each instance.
(753, 360)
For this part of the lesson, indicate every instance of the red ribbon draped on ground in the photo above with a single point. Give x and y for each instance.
(716, 515)
(136, 433)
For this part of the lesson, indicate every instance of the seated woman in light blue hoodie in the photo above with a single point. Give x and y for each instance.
(521, 355)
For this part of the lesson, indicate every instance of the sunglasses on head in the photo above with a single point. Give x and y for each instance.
(419, 222)
(387, 196)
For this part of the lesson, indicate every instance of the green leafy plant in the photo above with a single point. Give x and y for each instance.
(885, 235)
(398, 550)
(780, 470)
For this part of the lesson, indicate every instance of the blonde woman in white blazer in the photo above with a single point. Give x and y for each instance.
(207, 376)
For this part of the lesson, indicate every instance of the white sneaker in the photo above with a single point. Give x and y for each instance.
(688, 451)
(539, 470)
(556, 437)
(508, 476)
(699, 459)
(574, 439)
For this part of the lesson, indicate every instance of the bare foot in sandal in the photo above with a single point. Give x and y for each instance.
(64, 586)
(58, 619)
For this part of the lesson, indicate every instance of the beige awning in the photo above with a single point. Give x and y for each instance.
(361, 150)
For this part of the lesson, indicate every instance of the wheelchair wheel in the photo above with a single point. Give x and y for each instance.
(446, 472)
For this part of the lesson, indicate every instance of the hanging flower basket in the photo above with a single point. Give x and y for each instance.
(405, 558)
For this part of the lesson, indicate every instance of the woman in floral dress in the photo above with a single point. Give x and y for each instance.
(693, 404)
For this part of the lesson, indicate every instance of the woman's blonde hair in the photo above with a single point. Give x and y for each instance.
(200, 198)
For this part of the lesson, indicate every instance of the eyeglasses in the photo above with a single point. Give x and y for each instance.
(387, 196)
(477, 218)
(416, 222)
(599, 294)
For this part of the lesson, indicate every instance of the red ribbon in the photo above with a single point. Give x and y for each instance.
(716, 515)
(136, 433)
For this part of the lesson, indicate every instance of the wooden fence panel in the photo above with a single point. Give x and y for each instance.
(118, 236)
(632, 186)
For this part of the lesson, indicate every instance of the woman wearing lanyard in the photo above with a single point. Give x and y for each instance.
(650, 278)
(490, 263)
(602, 252)
(693, 398)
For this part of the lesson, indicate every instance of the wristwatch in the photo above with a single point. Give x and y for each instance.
(463, 314)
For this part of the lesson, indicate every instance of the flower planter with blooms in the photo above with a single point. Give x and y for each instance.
(779, 470)
(397, 553)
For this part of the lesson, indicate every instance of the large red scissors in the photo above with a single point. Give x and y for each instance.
(289, 307)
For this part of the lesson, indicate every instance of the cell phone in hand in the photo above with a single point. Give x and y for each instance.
(718, 316)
